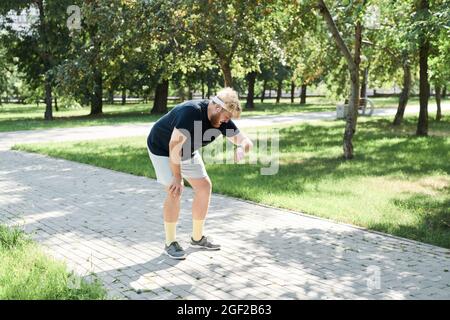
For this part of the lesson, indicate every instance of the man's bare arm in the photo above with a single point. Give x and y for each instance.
(175, 146)
(242, 140)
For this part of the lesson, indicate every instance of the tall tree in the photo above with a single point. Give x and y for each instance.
(251, 79)
(108, 51)
(303, 94)
(304, 43)
(4, 73)
(40, 45)
(82, 73)
(424, 86)
(282, 72)
(229, 28)
(94, 9)
(392, 53)
(353, 62)
(439, 60)
(404, 95)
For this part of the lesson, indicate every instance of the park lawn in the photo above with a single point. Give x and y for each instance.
(26, 273)
(29, 117)
(397, 183)
(15, 117)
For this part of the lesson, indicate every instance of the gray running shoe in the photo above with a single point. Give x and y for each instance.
(204, 243)
(175, 251)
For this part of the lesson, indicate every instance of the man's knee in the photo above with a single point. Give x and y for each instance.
(203, 185)
(173, 196)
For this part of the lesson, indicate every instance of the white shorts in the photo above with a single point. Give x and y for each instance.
(193, 168)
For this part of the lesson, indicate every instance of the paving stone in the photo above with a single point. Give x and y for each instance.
(88, 216)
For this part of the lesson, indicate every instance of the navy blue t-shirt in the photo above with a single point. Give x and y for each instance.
(188, 116)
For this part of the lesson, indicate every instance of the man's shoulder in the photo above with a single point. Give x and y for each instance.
(197, 104)
(191, 107)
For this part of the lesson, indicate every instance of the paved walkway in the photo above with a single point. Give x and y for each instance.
(8, 139)
(110, 223)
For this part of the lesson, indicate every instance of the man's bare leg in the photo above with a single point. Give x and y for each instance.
(171, 212)
(202, 195)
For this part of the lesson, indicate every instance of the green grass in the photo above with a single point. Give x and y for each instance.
(15, 117)
(26, 273)
(29, 117)
(397, 183)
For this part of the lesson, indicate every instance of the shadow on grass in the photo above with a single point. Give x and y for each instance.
(433, 215)
(377, 151)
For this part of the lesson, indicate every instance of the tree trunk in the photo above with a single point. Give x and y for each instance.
(251, 78)
(263, 93)
(363, 93)
(438, 103)
(48, 99)
(111, 96)
(353, 66)
(279, 90)
(444, 92)
(189, 93)
(124, 96)
(97, 97)
(424, 86)
(350, 126)
(86, 99)
(56, 104)
(48, 115)
(208, 89)
(404, 95)
(96, 93)
(203, 88)
(225, 65)
(303, 94)
(352, 117)
(292, 91)
(161, 94)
